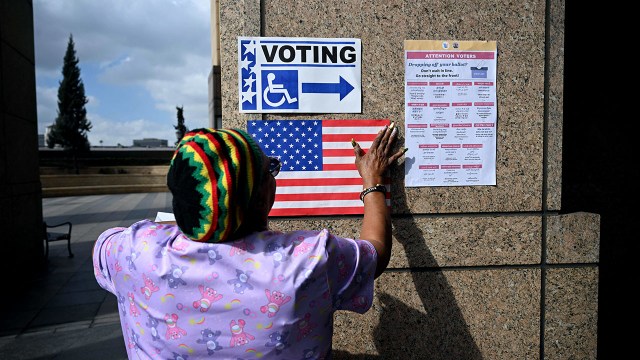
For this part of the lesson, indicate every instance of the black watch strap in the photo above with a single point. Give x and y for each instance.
(379, 187)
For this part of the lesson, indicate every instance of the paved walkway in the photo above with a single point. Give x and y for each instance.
(66, 315)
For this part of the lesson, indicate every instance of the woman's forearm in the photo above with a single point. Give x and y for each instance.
(376, 227)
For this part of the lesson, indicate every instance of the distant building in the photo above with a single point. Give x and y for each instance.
(42, 138)
(150, 142)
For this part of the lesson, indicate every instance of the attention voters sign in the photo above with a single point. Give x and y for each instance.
(299, 75)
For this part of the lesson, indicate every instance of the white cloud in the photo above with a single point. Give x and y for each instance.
(113, 132)
(106, 30)
(162, 47)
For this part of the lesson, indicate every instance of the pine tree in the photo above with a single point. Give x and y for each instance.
(181, 129)
(71, 125)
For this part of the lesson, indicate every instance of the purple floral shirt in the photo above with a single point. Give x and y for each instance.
(269, 295)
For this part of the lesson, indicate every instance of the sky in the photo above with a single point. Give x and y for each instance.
(139, 59)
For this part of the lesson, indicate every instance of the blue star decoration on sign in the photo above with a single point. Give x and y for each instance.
(248, 74)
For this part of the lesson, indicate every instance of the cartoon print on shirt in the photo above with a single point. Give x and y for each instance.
(311, 353)
(174, 278)
(133, 309)
(278, 253)
(359, 302)
(149, 287)
(276, 300)
(366, 248)
(108, 246)
(241, 282)
(162, 245)
(238, 336)
(131, 259)
(177, 356)
(342, 266)
(150, 231)
(180, 243)
(210, 339)
(99, 273)
(133, 341)
(122, 301)
(278, 341)
(152, 324)
(305, 326)
(211, 253)
(301, 247)
(209, 296)
(118, 267)
(173, 330)
(240, 247)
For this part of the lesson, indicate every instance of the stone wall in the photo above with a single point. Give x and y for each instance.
(487, 272)
(20, 203)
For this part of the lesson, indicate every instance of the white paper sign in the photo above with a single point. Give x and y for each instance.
(164, 216)
(299, 75)
(450, 113)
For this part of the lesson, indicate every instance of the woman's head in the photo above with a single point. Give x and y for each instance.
(217, 178)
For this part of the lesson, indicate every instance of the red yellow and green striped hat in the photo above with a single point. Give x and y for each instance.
(212, 176)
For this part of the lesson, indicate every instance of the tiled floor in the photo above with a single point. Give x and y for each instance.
(65, 314)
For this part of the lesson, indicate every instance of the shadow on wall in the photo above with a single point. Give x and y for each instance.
(435, 331)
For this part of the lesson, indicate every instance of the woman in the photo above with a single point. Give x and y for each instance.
(217, 282)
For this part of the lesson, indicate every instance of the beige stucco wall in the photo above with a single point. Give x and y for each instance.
(486, 272)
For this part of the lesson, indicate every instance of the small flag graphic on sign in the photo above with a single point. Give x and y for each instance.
(318, 175)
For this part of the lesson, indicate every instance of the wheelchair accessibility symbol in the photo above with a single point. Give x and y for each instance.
(280, 89)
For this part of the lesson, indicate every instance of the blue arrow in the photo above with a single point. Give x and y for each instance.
(343, 88)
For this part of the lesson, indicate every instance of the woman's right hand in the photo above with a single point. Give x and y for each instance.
(373, 164)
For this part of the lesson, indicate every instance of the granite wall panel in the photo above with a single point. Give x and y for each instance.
(490, 314)
(573, 238)
(571, 317)
(555, 96)
(445, 241)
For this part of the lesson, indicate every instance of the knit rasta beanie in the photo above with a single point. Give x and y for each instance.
(212, 176)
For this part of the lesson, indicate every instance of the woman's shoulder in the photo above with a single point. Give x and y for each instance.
(145, 230)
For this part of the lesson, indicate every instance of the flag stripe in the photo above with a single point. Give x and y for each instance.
(282, 183)
(355, 131)
(341, 182)
(316, 203)
(339, 167)
(365, 145)
(322, 196)
(345, 174)
(347, 137)
(306, 189)
(339, 160)
(339, 152)
(317, 211)
(359, 124)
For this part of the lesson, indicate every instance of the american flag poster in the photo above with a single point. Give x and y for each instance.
(318, 174)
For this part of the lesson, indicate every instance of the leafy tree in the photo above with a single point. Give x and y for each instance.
(181, 129)
(71, 125)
